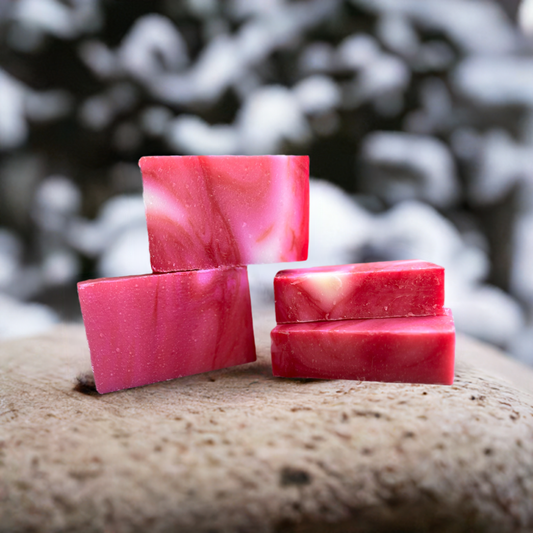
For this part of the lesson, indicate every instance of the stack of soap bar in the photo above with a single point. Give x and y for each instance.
(377, 321)
(207, 211)
(206, 216)
(143, 329)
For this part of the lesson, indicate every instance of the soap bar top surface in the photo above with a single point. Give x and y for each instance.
(406, 350)
(210, 211)
(364, 290)
(144, 329)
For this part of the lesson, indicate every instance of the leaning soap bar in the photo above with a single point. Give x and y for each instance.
(407, 350)
(209, 211)
(143, 329)
(366, 290)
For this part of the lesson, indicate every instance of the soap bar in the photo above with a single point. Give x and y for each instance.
(143, 329)
(407, 350)
(365, 290)
(210, 211)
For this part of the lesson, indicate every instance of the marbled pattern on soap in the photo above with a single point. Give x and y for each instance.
(403, 350)
(209, 211)
(144, 329)
(365, 290)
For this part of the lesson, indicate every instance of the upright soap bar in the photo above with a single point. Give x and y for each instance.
(366, 290)
(209, 211)
(143, 329)
(407, 350)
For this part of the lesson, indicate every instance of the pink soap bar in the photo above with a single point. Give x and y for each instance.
(407, 350)
(366, 290)
(143, 329)
(209, 211)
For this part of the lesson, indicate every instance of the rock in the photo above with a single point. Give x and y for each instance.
(239, 450)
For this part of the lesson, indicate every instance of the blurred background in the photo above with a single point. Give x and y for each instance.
(417, 116)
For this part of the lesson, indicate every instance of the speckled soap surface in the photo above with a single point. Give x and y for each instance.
(144, 329)
(239, 450)
(406, 350)
(385, 289)
(210, 211)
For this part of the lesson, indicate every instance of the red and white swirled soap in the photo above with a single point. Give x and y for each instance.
(405, 350)
(365, 290)
(210, 211)
(144, 329)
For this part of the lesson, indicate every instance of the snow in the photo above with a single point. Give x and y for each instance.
(357, 51)
(10, 255)
(525, 17)
(56, 200)
(152, 45)
(269, 116)
(18, 319)
(317, 94)
(496, 81)
(501, 164)
(404, 166)
(127, 254)
(475, 26)
(13, 127)
(189, 134)
(49, 16)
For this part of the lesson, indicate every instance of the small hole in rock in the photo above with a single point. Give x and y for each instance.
(294, 476)
(85, 384)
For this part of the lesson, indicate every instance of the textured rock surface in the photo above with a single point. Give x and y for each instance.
(239, 450)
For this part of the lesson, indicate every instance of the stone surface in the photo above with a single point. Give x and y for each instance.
(238, 450)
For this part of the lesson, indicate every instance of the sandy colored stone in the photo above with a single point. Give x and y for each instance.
(237, 450)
